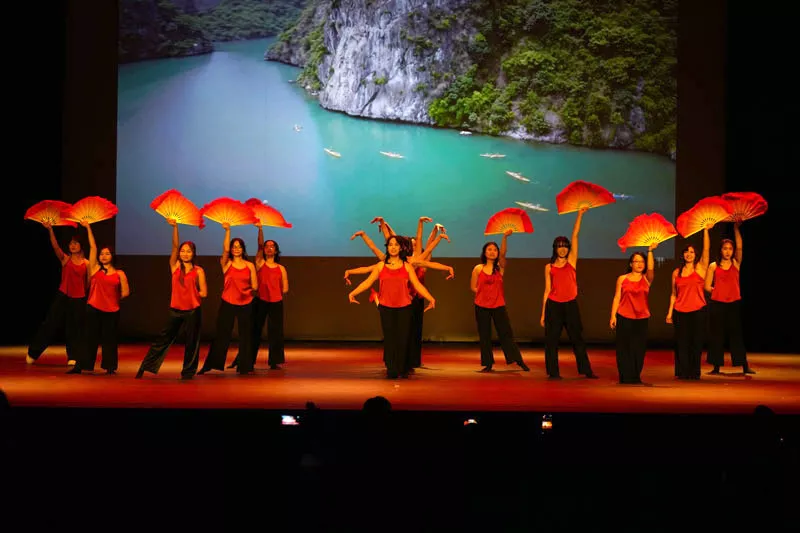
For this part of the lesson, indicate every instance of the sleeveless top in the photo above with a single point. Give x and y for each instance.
(633, 299)
(105, 292)
(393, 290)
(185, 297)
(73, 279)
(563, 283)
(236, 288)
(490, 290)
(726, 285)
(689, 295)
(270, 283)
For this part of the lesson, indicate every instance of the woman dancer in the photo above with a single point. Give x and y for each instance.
(725, 309)
(394, 273)
(69, 306)
(490, 305)
(107, 287)
(188, 289)
(630, 315)
(236, 305)
(560, 304)
(688, 303)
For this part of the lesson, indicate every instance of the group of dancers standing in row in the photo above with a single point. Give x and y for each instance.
(88, 304)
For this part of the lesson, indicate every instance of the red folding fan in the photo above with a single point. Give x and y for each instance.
(580, 194)
(745, 205)
(49, 212)
(708, 210)
(267, 215)
(511, 218)
(645, 230)
(91, 209)
(173, 205)
(228, 210)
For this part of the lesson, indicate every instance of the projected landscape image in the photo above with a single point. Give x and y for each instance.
(338, 111)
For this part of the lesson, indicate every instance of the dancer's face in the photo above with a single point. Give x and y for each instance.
(492, 252)
(187, 256)
(105, 257)
(393, 247)
(637, 264)
(727, 251)
(269, 249)
(236, 249)
(689, 255)
(74, 247)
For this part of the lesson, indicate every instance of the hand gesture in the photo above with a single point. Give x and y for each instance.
(359, 233)
(84, 223)
(652, 246)
(445, 236)
(258, 224)
(541, 321)
(452, 274)
(425, 219)
(582, 210)
(440, 228)
(376, 219)
(47, 225)
(709, 225)
(431, 305)
(669, 319)
(352, 299)
(347, 277)
(226, 226)
(172, 222)
(508, 232)
(613, 322)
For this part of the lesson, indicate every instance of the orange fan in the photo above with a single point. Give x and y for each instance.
(708, 210)
(228, 210)
(267, 215)
(173, 205)
(49, 212)
(745, 205)
(511, 218)
(645, 230)
(580, 194)
(91, 209)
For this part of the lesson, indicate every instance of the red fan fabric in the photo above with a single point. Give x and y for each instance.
(745, 205)
(91, 209)
(514, 218)
(267, 215)
(173, 205)
(708, 210)
(49, 212)
(228, 210)
(645, 230)
(580, 194)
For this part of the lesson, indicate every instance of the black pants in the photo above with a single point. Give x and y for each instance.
(726, 323)
(191, 353)
(228, 313)
(270, 313)
(559, 315)
(101, 331)
(484, 317)
(690, 334)
(415, 341)
(631, 348)
(69, 313)
(396, 323)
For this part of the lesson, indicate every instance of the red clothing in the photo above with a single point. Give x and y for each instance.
(563, 283)
(270, 283)
(105, 292)
(726, 285)
(393, 291)
(633, 299)
(420, 272)
(689, 292)
(236, 287)
(187, 296)
(490, 290)
(73, 279)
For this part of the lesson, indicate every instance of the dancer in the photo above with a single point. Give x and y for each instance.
(560, 304)
(107, 287)
(236, 305)
(630, 315)
(69, 305)
(188, 289)
(725, 308)
(688, 303)
(394, 273)
(490, 305)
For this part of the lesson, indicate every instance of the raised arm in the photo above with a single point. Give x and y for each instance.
(432, 235)
(737, 238)
(709, 284)
(93, 264)
(572, 258)
(672, 296)
(371, 245)
(225, 260)
(651, 264)
(546, 291)
(420, 288)
(383, 227)
(615, 303)
(173, 254)
(429, 249)
(202, 284)
(260, 254)
(435, 266)
(124, 287)
(473, 282)
(62, 257)
(501, 258)
(704, 256)
(418, 239)
(284, 280)
(366, 284)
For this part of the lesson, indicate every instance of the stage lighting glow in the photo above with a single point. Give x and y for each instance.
(470, 421)
(288, 420)
(547, 422)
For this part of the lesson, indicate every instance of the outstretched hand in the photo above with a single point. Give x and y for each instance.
(359, 233)
(444, 236)
(452, 275)
(431, 305)
(376, 219)
(347, 277)
(352, 299)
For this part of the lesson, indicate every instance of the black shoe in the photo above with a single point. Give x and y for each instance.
(748, 370)
(187, 376)
(275, 367)
(139, 374)
(591, 375)
(714, 372)
(523, 366)
(203, 371)
(233, 365)
(110, 372)
(74, 370)
(554, 377)
(487, 368)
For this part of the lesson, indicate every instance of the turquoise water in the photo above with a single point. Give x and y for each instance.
(222, 125)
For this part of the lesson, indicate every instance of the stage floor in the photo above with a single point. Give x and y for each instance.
(342, 376)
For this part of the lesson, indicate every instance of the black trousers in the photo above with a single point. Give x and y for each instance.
(415, 341)
(191, 321)
(484, 317)
(396, 323)
(69, 313)
(101, 331)
(690, 334)
(270, 313)
(218, 352)
(725, 320)
(559, 315)
(631, 348)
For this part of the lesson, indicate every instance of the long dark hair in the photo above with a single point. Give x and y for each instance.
(495, 266)
(405, 246)
(722, 243)
(630, 262)
(558, 242)
(193, 248)
(277, 257)
(76, 238)
(242, 244)
(111, 251)
(682, 262)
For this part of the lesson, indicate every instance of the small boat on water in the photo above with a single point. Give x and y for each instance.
(533, 207)
(465, 133)
(517, 176)
(331, 152)
(493, 156)
(393, 154)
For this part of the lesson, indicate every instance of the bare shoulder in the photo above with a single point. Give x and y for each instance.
(478, 267)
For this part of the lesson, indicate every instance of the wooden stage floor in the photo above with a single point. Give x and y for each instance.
(342, 376)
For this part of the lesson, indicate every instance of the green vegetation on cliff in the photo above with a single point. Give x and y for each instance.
(234, 20)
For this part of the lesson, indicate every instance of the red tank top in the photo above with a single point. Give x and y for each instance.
(393, 291)
(73, 279)
(187, 296)
(236, 287)
(270, 284)
(490, 290)
(563, 283)
(420, 272)
(104, 291)
(633, 299)
(726, 285)
(689, 292)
